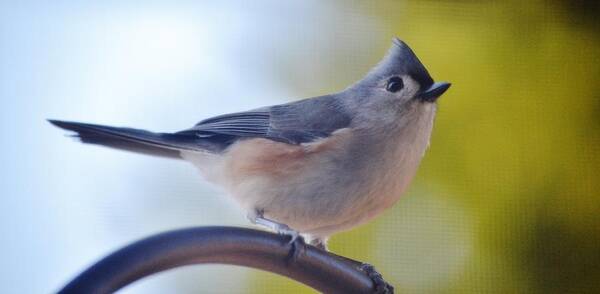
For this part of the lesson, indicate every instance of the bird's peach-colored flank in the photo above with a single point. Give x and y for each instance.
(274, 159)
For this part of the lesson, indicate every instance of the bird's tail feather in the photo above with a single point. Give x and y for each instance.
(140, 141)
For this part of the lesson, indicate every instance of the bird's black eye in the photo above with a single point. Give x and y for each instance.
(395, 84)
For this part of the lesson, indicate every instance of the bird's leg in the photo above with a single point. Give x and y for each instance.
(280, 228)
(296, 241)
(258, 219)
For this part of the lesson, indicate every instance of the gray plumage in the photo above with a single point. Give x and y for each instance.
(318, 165)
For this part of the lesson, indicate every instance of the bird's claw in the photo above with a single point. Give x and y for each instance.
(381, 286)
(294, 235)
(296, 241)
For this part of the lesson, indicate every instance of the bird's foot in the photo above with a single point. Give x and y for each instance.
(296, 241)
(381, 286)
(287, 231)
(297, 247)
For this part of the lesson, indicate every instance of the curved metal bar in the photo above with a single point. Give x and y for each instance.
(323, 271)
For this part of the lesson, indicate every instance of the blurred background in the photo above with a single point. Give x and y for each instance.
(506, 199)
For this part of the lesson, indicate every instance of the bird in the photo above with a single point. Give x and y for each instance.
(312, 167)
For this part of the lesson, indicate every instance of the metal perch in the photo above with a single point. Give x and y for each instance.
(323, 271)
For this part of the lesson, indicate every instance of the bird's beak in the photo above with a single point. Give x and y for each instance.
(436, 90)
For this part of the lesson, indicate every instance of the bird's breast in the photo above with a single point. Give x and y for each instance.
(322, 187)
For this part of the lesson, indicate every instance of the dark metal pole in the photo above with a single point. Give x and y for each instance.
(318, 269)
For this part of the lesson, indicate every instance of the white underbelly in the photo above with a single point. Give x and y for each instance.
(317, 197)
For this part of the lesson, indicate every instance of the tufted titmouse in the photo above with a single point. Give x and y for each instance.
(312, 167)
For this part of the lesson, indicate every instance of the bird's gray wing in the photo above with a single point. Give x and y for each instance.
(292, 123)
